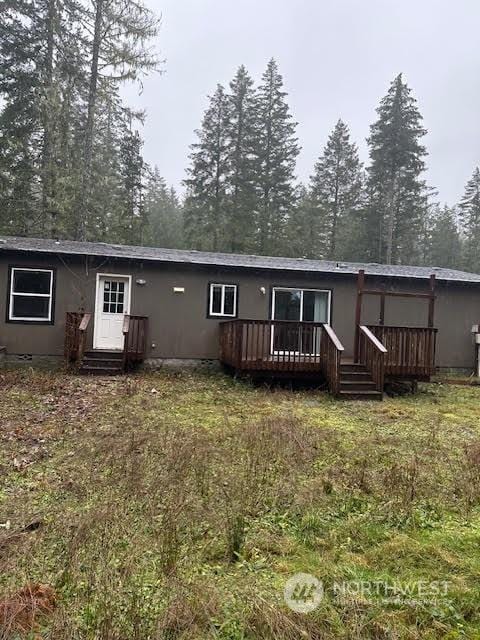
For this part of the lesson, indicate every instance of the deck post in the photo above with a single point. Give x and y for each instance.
(431, 302)
(358, 312)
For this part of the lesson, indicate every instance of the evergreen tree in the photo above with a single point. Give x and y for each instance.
(336, 194)
(276, 150)
(206, 198)
(163, 213)
(241, 163)
(52, 110)
(470, 219)
(20, 54)
(133, 169)
(397, 194)
(444, 244)
(119, 31)
(302, 227)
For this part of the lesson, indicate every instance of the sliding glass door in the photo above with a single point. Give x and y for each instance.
(299, 305)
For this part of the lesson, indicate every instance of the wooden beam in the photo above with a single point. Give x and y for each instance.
(398, 294)
(431, 303)
(358, 312)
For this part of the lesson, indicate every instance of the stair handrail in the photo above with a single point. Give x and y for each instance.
(76, 325)
(331, 354)
(82, 329)
(372, 355)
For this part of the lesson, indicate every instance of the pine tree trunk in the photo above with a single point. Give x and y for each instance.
(82, 212)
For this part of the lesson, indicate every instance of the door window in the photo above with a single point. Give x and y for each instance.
(113, 296)
(302, 305)
(299, 305)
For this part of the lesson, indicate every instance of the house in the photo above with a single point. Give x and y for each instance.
(107, 307)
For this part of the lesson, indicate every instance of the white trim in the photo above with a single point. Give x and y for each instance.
(99, 304)
(302, 290)
(13, 293)
(222, 313)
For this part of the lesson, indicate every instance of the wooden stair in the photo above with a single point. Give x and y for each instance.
(356, 383)
(103, 363)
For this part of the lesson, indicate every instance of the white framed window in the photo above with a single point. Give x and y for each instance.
(31, 295)
(222, 300)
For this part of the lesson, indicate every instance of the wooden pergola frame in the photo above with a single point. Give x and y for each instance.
(383, 293)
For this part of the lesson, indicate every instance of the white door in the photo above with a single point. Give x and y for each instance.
(112, 304)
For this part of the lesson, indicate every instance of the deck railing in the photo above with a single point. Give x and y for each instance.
(76, 324)
(410, 350)
(331, 350)
(372, 354)
(281, 346)
(135, 341)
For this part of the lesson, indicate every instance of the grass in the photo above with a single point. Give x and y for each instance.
(177, 506)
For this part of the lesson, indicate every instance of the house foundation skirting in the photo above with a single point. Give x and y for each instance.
(48, 362)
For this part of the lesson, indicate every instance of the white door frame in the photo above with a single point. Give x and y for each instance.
(99, 303)
(302, 290)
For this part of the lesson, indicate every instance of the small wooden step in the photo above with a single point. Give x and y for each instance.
(110, 362)
(352, 367)
(102, 355)
(102, 363)
(101, 370)
(360, 395)
(357, 385)
(355, 375)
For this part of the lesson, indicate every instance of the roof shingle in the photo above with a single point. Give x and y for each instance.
(70, 247)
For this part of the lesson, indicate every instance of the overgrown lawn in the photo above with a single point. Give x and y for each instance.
(171, 506)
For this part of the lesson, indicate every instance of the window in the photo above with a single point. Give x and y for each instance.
(223, 300)
(31, 295)
(302, 305)
(298, 305)
(113, 296)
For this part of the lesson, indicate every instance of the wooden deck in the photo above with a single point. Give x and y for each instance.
(410, 351)
(282, 348)
(277, 348)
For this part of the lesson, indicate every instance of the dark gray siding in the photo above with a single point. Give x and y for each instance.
(178, 323)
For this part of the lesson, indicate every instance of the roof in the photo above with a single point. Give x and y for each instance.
(70, 247)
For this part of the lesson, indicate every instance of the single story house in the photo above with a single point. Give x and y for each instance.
(107, 306)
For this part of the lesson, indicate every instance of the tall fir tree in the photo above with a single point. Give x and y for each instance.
(444, 247)
(336, 194)
(396, 191)
(133, 170)
(118, 31)
(470, 220)
(206, 197)
(276, 150)
(21, 61)
(302, 227)
(49, 115)
(163, 213)
(241, 164)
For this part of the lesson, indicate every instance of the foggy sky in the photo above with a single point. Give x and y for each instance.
(337, 58)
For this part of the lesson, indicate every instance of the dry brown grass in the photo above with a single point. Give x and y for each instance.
(21, 612)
